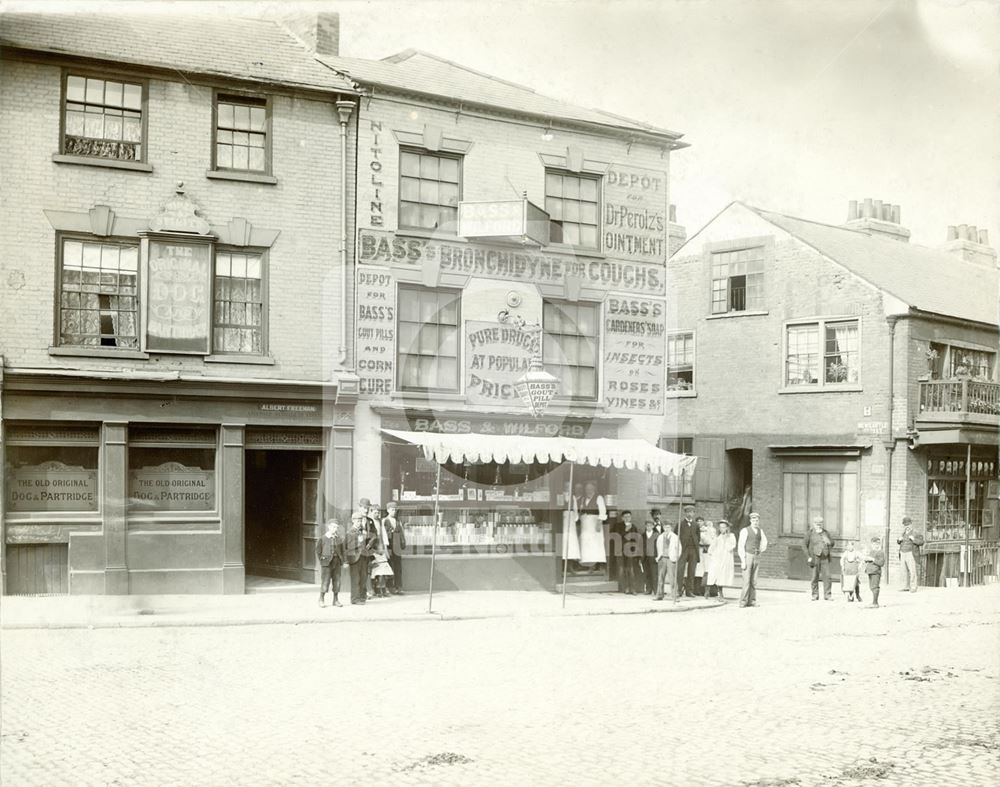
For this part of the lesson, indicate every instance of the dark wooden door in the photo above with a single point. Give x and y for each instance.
(35, 569)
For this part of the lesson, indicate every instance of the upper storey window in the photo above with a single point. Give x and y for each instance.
(103, 118)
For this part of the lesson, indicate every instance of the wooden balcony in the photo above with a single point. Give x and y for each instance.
(962, 402)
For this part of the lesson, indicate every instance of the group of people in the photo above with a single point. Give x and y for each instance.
(372, 547)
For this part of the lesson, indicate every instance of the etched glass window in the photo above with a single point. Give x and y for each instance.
(103, 118)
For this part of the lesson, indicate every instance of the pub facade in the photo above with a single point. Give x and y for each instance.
(500, 230)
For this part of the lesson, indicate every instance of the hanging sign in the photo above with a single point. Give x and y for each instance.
(178, 297)
(634, 355)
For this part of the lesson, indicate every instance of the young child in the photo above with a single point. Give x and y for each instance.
(874, 561)
(381, 571)
(850, 580)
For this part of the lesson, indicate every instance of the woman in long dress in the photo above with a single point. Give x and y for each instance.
(593, 514)
(720, 559)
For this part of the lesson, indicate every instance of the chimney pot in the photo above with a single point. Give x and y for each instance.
(963, 231)
(673, 213)
(984, 237)
(867, 211)
(952, 232)
(973, 233)
(878, 210)
(895, 214)
(852, 210)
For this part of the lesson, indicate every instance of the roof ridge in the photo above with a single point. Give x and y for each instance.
(410, 52)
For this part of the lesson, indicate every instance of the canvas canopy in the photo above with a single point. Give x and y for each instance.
(598, 452)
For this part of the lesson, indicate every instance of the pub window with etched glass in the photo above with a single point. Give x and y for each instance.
(672, 486)
(429, 190)
(98, 293)
(573, 205)
(43, 476)
(103, 118)
(680, 361)
(570, 346)
(822, 488)
(171, 469)
(822, 354)
(241, 133)
(239, 301)
(428, 338)
(738, 280)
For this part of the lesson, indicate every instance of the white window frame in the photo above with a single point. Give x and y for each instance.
(821, 385)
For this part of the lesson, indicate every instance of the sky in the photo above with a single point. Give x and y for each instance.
(796, 106)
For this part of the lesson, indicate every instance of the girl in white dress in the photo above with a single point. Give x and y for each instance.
(593, 514)
(720, 558)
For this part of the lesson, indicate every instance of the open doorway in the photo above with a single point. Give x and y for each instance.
(281, 514)
(739, 488)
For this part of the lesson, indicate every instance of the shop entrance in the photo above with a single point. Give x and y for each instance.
(281, 514)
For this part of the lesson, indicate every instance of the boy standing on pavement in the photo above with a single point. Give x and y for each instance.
(909, 548)
(817, 545)
(668, 551)
(874, 561)
(753, 542)
(631, 559)
(396, 544)
(330, 553)
(649, 572)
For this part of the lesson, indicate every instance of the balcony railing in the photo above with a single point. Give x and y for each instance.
(960, 396)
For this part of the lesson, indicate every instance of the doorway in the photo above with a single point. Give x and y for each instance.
(281, 514)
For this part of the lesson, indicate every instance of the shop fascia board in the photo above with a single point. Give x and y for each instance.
(152, 383)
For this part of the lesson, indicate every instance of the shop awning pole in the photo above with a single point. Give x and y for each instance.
(968, 502)
(567, 524)
(434, 540)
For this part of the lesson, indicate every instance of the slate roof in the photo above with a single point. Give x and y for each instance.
(929, 280)
(421, 72)
(257, 50)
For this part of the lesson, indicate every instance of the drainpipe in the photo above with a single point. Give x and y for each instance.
(345, 109)
(890, 443)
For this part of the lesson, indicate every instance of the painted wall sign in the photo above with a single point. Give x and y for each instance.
(379, 247)
(171, 486)
(375, 331)
(496, 356)
(312, 438)
(634, 354)
(51, 486)
(636, 214)
(179, 297)
(873, 427)
(376, 217)
(278, 407)
(519, 428)
(43, 434)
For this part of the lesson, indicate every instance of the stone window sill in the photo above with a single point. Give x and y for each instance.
(730, 315)
(245, 177)
(98, 352)
(251, 360)
(428, 396)
(107, 163)
(802, 389)
(680, 394)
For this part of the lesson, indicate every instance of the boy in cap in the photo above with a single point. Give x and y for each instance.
(330, 553)
(874, 561)
(909, 547)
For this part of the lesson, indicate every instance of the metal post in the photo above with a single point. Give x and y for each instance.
(434, 540)
(566, 526)
(968, 502)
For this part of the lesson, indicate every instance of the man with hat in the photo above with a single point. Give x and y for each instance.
(817, 545)
(909, 548)
(753, 542)
(395, 544)
(358, 549)
(689, 535)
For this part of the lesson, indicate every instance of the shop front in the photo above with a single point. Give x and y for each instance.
(118, 485)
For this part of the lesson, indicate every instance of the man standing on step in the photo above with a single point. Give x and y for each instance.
(689, 535)
(753, 542)
(818, 545)
(330, 553)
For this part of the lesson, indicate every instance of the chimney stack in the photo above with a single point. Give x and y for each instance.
(320, 33)
(676, 233)
(970, 244)
(876, 217)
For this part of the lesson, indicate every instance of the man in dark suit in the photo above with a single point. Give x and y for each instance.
(330, 553)
(689, 535)
(393, 529)
(649, 567)
(358, 549)
(631, 556)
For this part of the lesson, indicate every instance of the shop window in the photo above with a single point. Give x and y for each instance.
(238, 312)
(821, 488)
(103, 118)
(171, 470)
(738, 280)
(951, 362)
(428, 349)
(429, 190)
(52, 477)
(98, 293)
(948, 493)
(241, 134)
(573, 205)
(663, 486)
(837, 361)
(680, 361)
(570, 346)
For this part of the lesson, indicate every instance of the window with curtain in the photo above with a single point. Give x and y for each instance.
(662, 486)
(573, 205)
(822, 489)
(680, 361)
(98, 297)
(428, 339)
(429, 190)
(238, 309)
(570, 346)
(102, 118)
(823, 353)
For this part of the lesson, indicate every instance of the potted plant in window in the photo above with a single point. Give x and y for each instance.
(836, 372)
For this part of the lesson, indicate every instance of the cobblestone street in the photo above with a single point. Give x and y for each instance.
(789, 693)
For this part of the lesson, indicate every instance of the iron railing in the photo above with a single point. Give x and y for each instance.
(960, 396)
(977, 564)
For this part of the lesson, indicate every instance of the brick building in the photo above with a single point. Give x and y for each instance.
(839, 371)
(177, 220)
(495, 223)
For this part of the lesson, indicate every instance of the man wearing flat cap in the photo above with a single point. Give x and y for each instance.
(909, 548)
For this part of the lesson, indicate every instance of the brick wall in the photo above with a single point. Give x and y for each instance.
(303, 275)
